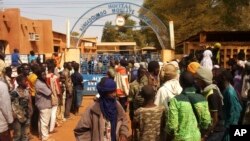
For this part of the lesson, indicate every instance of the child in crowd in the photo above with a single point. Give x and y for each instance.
(22, 109)
(61, 100)
(149, 119)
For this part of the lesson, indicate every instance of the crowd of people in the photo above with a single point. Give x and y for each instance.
(40, 98)
(191, 100)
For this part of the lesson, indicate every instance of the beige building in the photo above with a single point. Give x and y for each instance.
(116, 47)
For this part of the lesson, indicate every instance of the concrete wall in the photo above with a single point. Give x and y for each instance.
(10, 28)
(59, 40)
(16, 31)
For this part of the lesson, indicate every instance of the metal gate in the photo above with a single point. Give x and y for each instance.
(99, 63)
(95, 66)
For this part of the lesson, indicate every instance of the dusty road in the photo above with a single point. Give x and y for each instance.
(65, 132)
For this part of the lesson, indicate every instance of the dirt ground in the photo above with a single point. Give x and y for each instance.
(65, 132)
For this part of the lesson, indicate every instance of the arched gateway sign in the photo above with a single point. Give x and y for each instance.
(114, 8)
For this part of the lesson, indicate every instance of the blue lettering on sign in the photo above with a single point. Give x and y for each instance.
(129, 8)
(119, 5)
(92, 19)
(90, 82)
(121, 8)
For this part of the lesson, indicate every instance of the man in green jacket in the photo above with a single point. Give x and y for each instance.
(188, 112)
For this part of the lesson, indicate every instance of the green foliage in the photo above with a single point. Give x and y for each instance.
(139, 38)
(109, 33)
(124, 33)
(192, 16)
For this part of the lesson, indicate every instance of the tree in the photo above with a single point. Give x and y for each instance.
(109, 32)
(112, 33)
(192, 16)
(139, 38)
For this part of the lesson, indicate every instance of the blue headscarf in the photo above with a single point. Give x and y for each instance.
(108, 104)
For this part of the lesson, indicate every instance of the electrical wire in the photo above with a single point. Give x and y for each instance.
(49, 4)
(50, 15)
(47, 7)
(53, 15)
(60, 2)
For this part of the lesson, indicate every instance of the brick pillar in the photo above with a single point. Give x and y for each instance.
(167, 55)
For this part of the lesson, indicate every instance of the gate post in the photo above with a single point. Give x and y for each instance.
(72, 54)
(167, 55)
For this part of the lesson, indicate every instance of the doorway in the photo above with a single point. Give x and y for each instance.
(3, 45)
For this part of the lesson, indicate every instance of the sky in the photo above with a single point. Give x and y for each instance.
(61, 10)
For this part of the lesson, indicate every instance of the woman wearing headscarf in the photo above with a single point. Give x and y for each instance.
(105, 120)
(207, 59)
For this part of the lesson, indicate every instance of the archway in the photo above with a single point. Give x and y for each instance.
(115, 8)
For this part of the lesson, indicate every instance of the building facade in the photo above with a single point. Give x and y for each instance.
(24, 34)
(232, 42)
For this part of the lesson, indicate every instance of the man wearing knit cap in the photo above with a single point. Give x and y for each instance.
(170, 88)
(204, 79)
(192, 67)
(106, 116)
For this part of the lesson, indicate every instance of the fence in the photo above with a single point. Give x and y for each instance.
(99, 63)
(94, 67)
